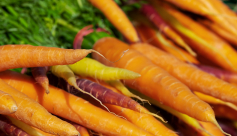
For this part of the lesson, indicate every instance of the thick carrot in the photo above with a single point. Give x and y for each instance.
(73, 108)
(39, 74)
(92, 68)
(214, 48)
(117, 17)
(153, 37)
(154, 81)
(212, 100)
(38, 56)
(143, 121)
(194, 78)
(32, 113)
(163, 27)
(225, 75)
(102, 94)
(8, 128)
(28, 129)
(7, 104)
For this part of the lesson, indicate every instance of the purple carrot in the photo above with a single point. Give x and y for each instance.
(9, 129)
(39, 74)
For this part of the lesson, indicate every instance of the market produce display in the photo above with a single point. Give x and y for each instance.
(118, 68)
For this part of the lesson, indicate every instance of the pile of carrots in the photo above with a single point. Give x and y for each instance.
(176, 59)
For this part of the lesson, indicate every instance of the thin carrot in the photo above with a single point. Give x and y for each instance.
(161, 87)
(8, 128)
(101, 94)
(163, 27)
(213, 48)
(38, 56)
(28, 129)
(211, 128)
(222, 111)
(73, 108)
(39, 74)
(213, 100)
(225, 75)
(149, 35)
(92, 68)
(194, 78)
(7, 104)
(82, 130)
(32, 113)
(143, 121)
(117, 17)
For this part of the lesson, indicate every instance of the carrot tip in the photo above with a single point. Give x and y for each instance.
(47, 91)
(14, 108)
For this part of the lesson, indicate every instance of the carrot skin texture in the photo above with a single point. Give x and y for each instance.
(92, 68)
(144, 121)
(32, 113)
(39, 74)
(73, 108)
(82, 130)
(190, 75)
(7, 104)
(8, 128)
(156, 87)
(40, 56)
(117, 17)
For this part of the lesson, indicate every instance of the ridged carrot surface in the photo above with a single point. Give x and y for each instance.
(72, 108)
(154, 81)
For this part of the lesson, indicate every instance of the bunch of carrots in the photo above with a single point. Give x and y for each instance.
(175, 59)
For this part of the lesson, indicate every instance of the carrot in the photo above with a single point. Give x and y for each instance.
(117, 17)
(225, 75)
(40, 56)
(161, 87)
(118, 85)
(213, 47)
(32, 113)
(194, 78)
(163, 27)
(82, 130)
(7, 104)
(92, 68)
(149, 35)
(183, 117)
(102, 94)
(39, 74)
(73, 108)
(28, 129)
(143, 121)
(213, 100)
(8, 128)
(211, 128)
(223, 111)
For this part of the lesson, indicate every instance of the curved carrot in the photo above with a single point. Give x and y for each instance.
(38, 56)
(32, 113)
(154, 81)
(117, 17)
(143, 121)
(39, 74)
(92, 68)
(73, 108)
(149, 35)
(163, 27)
(194, 78)
(7, 103)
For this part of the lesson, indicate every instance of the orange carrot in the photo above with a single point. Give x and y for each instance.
(39, 74)
(117, 17)
(38, 56)
(194, 78)
(73, 108)
(213, 47)
(143, 121)
(211, 128)
(152, 37)
(7, 103)
(222, 111)
(82, 130)
(32, 113)
(161, 87)
(163, 27)
(8, 128)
